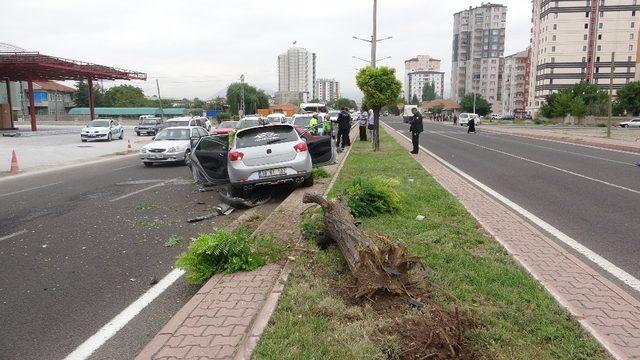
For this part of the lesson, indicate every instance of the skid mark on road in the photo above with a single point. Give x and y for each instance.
(12, 235)
(637, 192)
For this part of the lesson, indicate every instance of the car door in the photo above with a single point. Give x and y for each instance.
(209, 160)
(320, 148)
(635, 123)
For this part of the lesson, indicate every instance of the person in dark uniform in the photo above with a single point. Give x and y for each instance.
(416, 128)
(472, 126)
(344, 125)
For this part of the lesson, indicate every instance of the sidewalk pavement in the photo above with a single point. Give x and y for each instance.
(225, 319)
(605, 310)
(557, 135)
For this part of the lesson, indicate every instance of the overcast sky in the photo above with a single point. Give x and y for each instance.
(197, 47)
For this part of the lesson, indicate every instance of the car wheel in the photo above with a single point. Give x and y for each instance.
(83, 140)
(236, 191)
(148, 164)
(187, 157)
(109, 137)
(308, 182)
(121, 135)
(137, 133)
(623, 126)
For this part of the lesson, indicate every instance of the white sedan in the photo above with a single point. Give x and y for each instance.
(171, 145)
(633, 123)
(102, 129)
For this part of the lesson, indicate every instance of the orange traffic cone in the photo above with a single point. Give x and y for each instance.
(129, 148)
(14, 163)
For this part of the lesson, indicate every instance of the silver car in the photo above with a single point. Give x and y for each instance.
(102, 129)
(171, 145)
(260, 156)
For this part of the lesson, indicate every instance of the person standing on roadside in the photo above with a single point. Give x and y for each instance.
(363, 118)
(371, 125)
(416, 127)
(344, 125)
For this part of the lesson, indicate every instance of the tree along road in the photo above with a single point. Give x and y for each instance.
(78, 245)
(590, 194)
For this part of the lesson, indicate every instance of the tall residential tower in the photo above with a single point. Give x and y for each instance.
(297, 73)
(478, 50)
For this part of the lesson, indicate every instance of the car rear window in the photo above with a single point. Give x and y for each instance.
(177, 123)
(265, 136)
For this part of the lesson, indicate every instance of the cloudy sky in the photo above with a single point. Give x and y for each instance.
(195, 48)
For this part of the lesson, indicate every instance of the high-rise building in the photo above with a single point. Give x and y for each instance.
(327, 90)
(418, 63)
(478, 50)
(418, 79)
(572, 42)
(297, 72)
(514, 82)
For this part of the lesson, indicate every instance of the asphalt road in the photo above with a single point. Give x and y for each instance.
(78, 245)
(592, 195)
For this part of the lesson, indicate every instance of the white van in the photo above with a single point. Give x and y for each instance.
(407, 114)
(465, 117)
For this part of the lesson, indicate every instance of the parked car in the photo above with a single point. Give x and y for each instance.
(496, 116)
(249, 121)
(302, 120)
(171, 145)
(633, 123)
(277, 118)
(225, 127)
(148, 126)
(102, 129)
(465, 117)
(260, 156)
(187, 121)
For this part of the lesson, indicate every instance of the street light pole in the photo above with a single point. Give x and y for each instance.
(613, 69)
(474, 103)
(160, 100)
(242, 95)
(374, 34)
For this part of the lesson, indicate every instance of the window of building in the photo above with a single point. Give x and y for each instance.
(599, 47)
(599, 37)
(586, 26)
(586, 14)
(553, 49)
(555, 26)
(601, 25)
(633, 24)
(553, 38)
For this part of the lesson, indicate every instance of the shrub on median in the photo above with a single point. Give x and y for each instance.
(369, 197)
(225, 251)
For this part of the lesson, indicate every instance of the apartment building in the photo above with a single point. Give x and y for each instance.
(514, 76)
(419, 63)
(418, 79)
(327, 90)
(478, 50)
(297, 72)
(573, 40)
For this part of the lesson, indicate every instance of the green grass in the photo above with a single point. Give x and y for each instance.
(173, 241)
(320, 173)
(517, 318)
(145, 206)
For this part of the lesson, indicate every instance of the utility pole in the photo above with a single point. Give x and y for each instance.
(474, 103)
(242, 96)
(160, 99)
(374, 34)
(613, 69)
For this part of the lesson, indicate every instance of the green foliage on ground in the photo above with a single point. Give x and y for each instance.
(173, 241)
(320, 173)
(483, 107)
(628, 99)
(368, 196)
(577, 100)
(225, 252)
(145, 206)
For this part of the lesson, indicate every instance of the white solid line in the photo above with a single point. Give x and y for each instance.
(112, 327)
(12, 235)
(603, 263)
(138, 191)
(29, 189)
(125, 167)
(542, 164)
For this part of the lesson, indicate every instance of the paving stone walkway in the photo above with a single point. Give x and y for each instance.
(605, 310)
(225, 319)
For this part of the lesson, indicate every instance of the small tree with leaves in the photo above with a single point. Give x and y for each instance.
(380, 87)
(482, 108)
(429, 92)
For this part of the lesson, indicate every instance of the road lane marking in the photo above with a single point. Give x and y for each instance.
(119, 321)
(542, 164)
(603, 263)
(30, 189)
(125, 167)
(141, 190)
(12, 235)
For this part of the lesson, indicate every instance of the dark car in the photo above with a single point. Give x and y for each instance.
(149, 126)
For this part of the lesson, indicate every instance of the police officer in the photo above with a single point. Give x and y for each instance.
(344, 125)
(416, 128)
(313, 124)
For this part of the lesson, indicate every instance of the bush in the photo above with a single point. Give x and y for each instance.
(601, 125)
(369, 197)
(225, 251)
(223, 116)
(320, 173)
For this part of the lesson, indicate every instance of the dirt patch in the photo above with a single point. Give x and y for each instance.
(420, 328)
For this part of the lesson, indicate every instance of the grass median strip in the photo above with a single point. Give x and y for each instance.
(512, 316)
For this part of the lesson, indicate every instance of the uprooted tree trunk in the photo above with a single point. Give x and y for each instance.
(374, 268)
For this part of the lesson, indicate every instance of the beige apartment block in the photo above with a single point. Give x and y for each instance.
(422, 64)
(572, 41)
(513, 83)
(478, 50)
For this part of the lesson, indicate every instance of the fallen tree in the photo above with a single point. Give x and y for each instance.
(386, 268)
